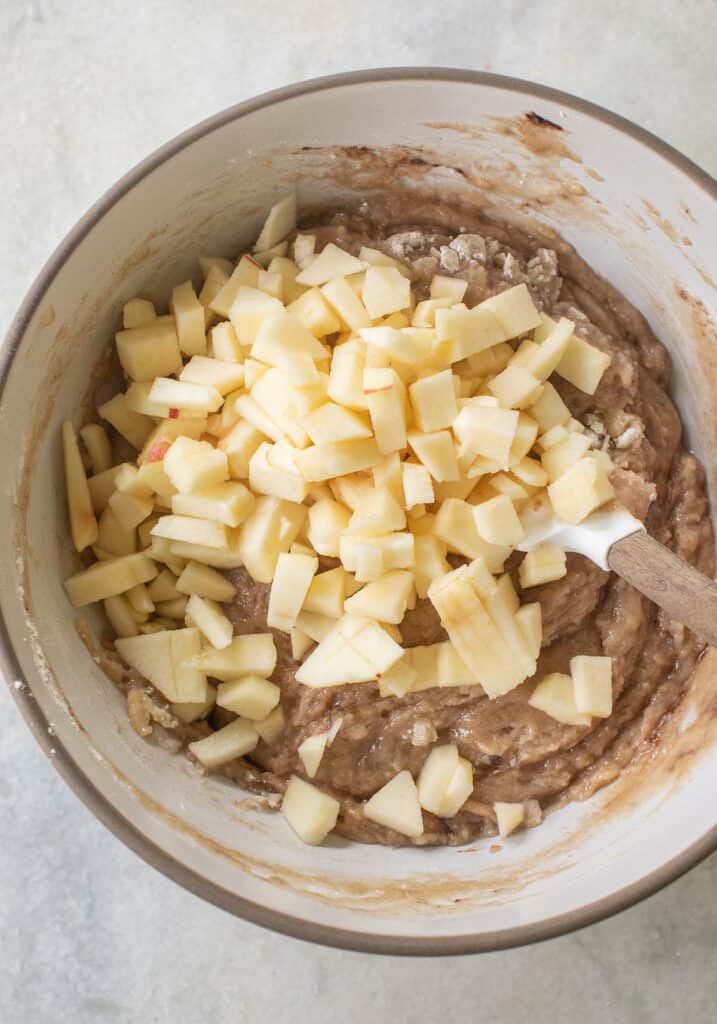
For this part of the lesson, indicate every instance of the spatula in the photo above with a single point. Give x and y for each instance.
(614, 539)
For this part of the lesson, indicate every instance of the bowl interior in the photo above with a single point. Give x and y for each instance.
(642, 219)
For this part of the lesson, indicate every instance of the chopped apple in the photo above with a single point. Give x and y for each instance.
(137, 313)
(332, 422)
(202, 532)
(271, 728)
(151, 350)
(83, 524)
(249, 654)
(331, 262)
(487, 431)
(453, 288)
(327, 521)
(456, 526)
(195, 465)
(288, 270)
(239, 445)
(530, 472)
(102, 485)
(130, 509)
(385, 599)
(558, 458)
(188, 398)
(249, 310)
(163, 659)
(176, 609)
(270, 529)
(430, 562)
(311, 813)
(346, 375)
(549, 410)
(215, 280)
(424, 315)
(250, 696)
(227, 502)
(592, 684)
(270, 474)
(376, 512)
(385, 397)
(551, 350)
(544, 564)
(344, 301)
(213, 373)
(579, 491)
(434, 401)
(509, 816)
(245, 275)
(515, 387)
(158, 443)
(131, 425)
(497, 521)
(94, 437)
(490, 361)
(583, 365)
(354, 651)
(314, 625)
(226, 744)
(311, 752)
(110, 577)
(417, 485)
(280, 222)
(437, 453)
(400, 345)
(469, 331)
(113, 537)
(195, 711)
(324, 461)
(205, 582)
(163, 587)
(312, 309)
(300, 643)
(529, 618)
(396, 806)
(224, 344)
(281, 337)
(189, 318)
(555, 696)
(351, 489)
(292, 579)
(390, 551)
(326, 593)
(209, 618)
(385, 290)
(304, 246)
(445, 782)
(514, 309)
(120, 616)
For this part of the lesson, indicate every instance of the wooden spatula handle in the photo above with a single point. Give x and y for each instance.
(684, 593)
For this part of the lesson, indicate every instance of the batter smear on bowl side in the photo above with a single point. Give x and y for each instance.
(301, 514)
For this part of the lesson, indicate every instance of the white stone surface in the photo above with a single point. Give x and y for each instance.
(88, 933)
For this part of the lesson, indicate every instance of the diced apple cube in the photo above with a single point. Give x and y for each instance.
(271, 528)
(195, 465)
(544, 564)
(189, 318)
(102, 485)
(131, 425)
(203, 532)
(315, 626)
(424, 315)
(344, 301)
(280, 222)
(497, 521)
(332, 422)
(417, 485)
(113, 537)
(162, 659)
(209, 618)
(514, 309)
(555, 696)
(311, 813)
(250, 308)
(292, 579)
(468, 330)
(137, 313)
(355, 650)
(226, 744)
(592, 682)
(392, 551)
(396, 806)
(509, 816)
(549, 410)
(176, 609)
(434, 401)
(385, 397)
(249, 654)
(224, 343)
(189, 398)
(487, 431)
(239, 445)
(120, 616)
(530, 472)
(561, 456)
(327, 521)
(437, 453)
(268, 477)
(583, 365)
(312, 309)
(445, 782)
(158, 443)
(194, 711)
(346, 375)
(83, 524)
(205, 582)
(377, 512)
(311, 752)
(579, 491)
(304, 246)
(385, 599)
(331, 262)
(130, 509)
(229, 503)
(455, 525)
(213, 373)
(151, 350)
(215, 280)
(300, 643)
(515, 387)
(385, 290)
(551, 350)
(163, 587)
(529, 617)
(94, 437)
(271, 728)
(453, 288)
(110, 577)
(326, 593)
(399, 345)
(324, 461)
(281, 337)
(430, 562)
(250, 696)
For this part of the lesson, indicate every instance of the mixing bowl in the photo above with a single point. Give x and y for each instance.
(640, 213)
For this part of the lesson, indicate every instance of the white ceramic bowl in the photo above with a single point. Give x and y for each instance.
(638, 211)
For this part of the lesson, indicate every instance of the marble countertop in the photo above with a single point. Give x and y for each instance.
(88, 932)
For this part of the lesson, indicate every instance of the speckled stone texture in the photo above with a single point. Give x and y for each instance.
(88, 932)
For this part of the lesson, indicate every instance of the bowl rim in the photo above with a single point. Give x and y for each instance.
(58, 755)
